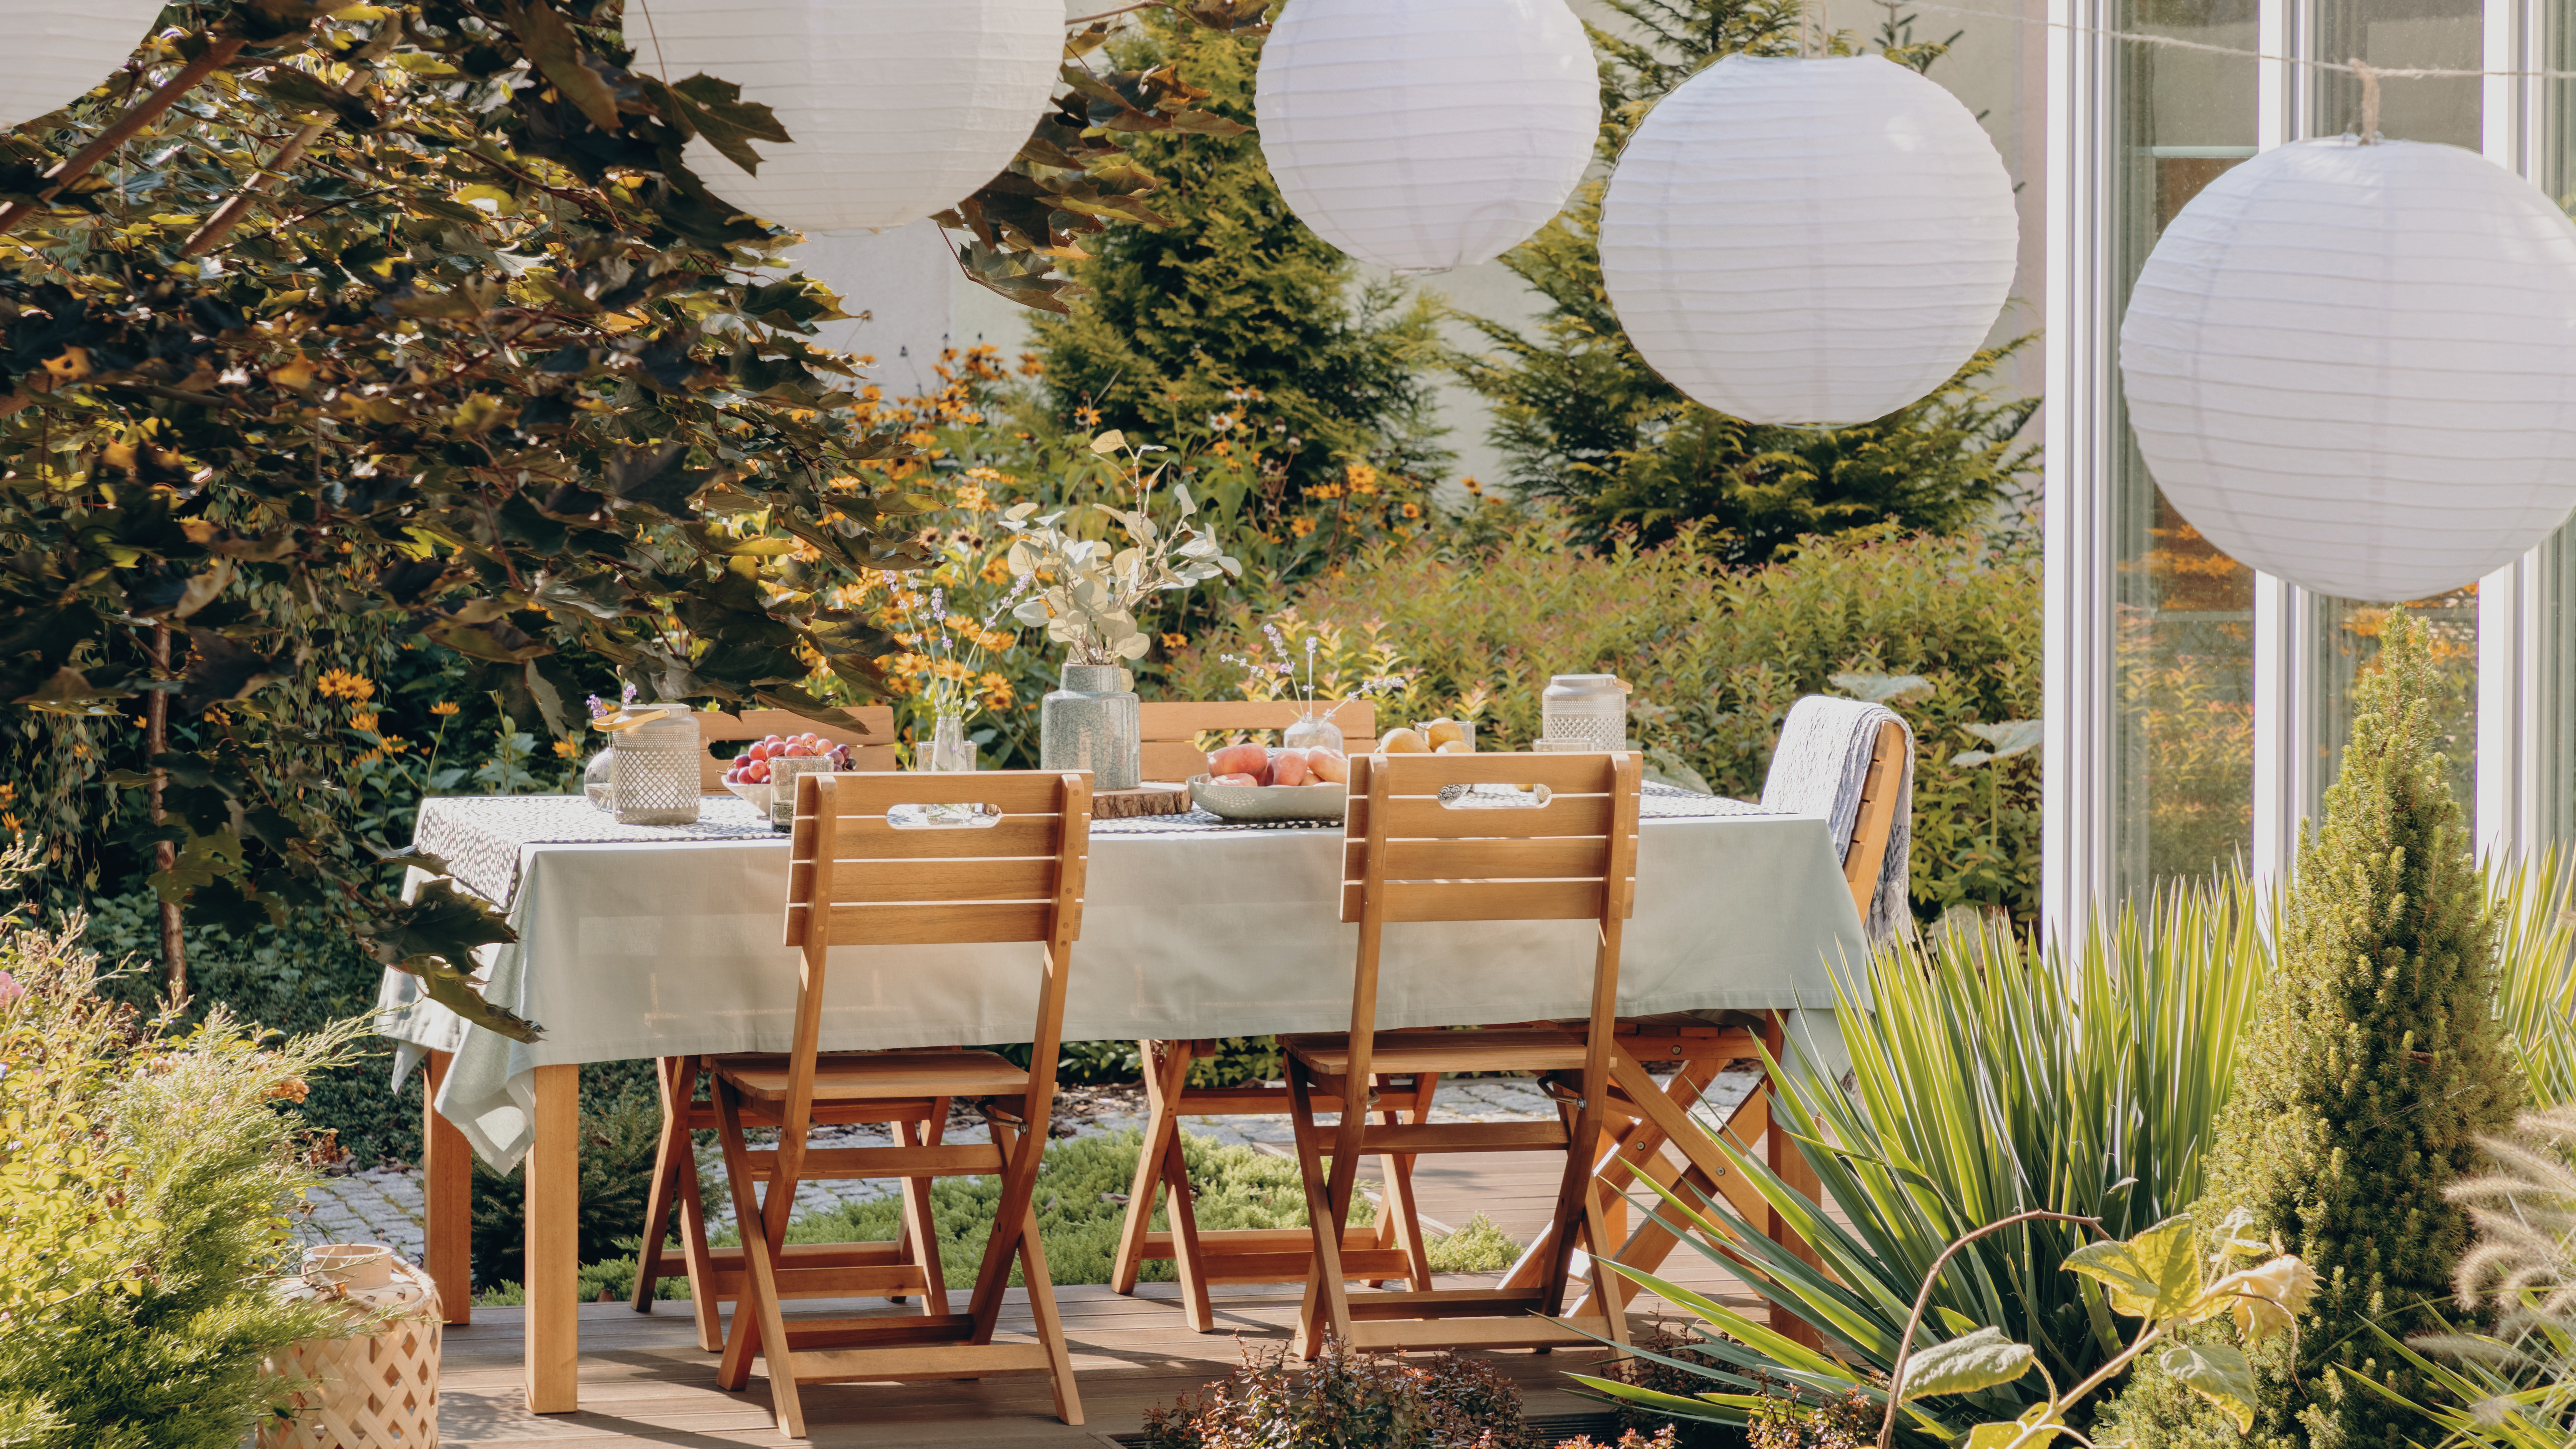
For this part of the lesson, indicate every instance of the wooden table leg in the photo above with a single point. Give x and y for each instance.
(447, 1190)
(553, 1183)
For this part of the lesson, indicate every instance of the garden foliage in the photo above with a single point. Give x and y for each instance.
(1992, 1077)
(1235, 307)
(143, 1174)
(1586, 422)
(1717, 655)
(1346, 1400)
(2374, 1065)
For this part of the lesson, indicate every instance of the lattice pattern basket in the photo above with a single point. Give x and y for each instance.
(373, 1390)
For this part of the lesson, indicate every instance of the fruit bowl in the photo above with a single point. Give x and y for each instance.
(1269, 802)
(758, 794)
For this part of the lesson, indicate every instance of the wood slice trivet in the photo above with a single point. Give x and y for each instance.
(1147, 799)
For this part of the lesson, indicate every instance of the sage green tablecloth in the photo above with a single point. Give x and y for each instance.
(642, 949)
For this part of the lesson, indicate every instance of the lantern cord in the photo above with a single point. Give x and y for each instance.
(2369, 99)
(2169, 42)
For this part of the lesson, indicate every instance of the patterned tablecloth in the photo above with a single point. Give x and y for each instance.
(642, 942)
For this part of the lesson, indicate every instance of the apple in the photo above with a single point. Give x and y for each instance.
(1329, 765)
(1289, 767)
(1253, 760)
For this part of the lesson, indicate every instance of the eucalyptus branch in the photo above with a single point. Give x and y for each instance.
(1923, 1304)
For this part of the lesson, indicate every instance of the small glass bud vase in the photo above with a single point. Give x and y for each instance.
(599, 779)
(1312, 731)
(1091, 724)
(949, 751)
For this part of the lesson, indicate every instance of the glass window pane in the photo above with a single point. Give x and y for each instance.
(2184, 728)
(2555, 749)
(2348, 635)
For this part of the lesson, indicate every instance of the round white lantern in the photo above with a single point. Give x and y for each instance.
(899, 108)
(56, 53)
(2354, 367)
(1427, 134)
(1808, 241)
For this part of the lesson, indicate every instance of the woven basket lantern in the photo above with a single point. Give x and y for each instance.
(376, 1387)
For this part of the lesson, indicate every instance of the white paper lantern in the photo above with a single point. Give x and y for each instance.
(899, 108)
(55, 52)
(2354, 367)
(1427, 134)
(1808, 241)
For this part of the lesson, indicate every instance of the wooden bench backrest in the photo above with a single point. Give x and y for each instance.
(877, 883)
(1415, 858)
(1170, 730)
(873, 750)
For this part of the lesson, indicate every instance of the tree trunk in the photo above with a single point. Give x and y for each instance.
(156, 739)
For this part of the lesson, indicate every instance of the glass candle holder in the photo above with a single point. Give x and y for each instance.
(657, 775)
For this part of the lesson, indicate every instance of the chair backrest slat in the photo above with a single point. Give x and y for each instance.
(895, 883)
(1170, 729)
(873, 750)
(1571, 858)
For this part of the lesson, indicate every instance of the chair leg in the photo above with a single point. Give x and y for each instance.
(758, 1324)
(1014, 1217)
(1400, 1225)
(920, 1228)
(703, 1299)
(658, 1202)
(1167, 1071)
(1188, 1259)
(1041, 1286)
(1326, 1310)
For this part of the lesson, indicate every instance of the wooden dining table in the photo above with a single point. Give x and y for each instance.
(643, 943)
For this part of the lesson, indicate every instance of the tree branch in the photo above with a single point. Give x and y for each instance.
(78, 164)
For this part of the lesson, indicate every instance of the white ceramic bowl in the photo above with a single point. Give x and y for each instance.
(758, 794)
(1269, 802)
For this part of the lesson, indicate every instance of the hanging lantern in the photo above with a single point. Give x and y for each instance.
(2354, 366)
(1423, 135)
(1808, 241)
(899, 109)
(56, 53)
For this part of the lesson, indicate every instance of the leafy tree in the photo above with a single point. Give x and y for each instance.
(2374, 1063)
(1584, 420)
(406, 322)
(1236, 309)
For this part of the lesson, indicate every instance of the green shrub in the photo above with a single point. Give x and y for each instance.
(2375, 1065)
(140, 1212)
(620, 1138)
(1717, 655)
(1992, 1077)
(1346, 1400)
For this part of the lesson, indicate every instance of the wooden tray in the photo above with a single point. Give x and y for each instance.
(1150, 798)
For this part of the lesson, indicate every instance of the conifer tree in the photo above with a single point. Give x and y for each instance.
(2374, 1063)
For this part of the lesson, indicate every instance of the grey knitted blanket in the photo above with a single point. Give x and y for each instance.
(1819, 768)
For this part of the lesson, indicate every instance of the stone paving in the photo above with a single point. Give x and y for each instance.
(384, 1205)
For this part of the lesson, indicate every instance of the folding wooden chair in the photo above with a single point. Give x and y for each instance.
(715, 1275)
(1394, 1248)
(1653, 1117)
(870, 870)
(1412, 855)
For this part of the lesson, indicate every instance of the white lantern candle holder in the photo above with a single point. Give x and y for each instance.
(2354, 366)
(57, 53)
(898, 108)
(1808, 241)
(656, 769)
(1423, 135)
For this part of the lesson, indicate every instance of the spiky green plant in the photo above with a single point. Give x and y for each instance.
(1991, 1078)
(2375, 1065)
(2535, 911)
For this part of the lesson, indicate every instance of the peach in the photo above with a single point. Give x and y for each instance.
(1233, 779)
(1244, 759)
(1401, 741)
(1454, 747)
(1443, 731)
(1330, 766)
(1290, 767)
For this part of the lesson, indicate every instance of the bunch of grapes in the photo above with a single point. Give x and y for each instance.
(751, 767)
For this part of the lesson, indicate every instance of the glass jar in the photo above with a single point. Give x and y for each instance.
(657, 775)
(1092, 724)
(949, 751)
(1312, 730)
(1584, 712)
(783, 773)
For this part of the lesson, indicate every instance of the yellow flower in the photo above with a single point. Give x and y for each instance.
(997, 640)
(1086, 417)
(1472, 485)
(364, 719)
(1301, 526)
(11, 820)
(1325, 490)
(1363, 479)
(1222, 448)
(341, 684)
(997, 691)
(1411, 510)
(395, 746)
(564, 748)
(442, 709)
(996, 569)
(951, 669)
(1176, 642)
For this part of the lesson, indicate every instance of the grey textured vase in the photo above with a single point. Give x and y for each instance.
(1090, 724)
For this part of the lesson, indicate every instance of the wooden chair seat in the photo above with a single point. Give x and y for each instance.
(899, 1076)
(1448, 1052)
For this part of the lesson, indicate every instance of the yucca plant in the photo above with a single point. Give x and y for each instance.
(1991, 1078)
(2534, 902)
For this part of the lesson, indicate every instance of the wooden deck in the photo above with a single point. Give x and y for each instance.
(644, 1380)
